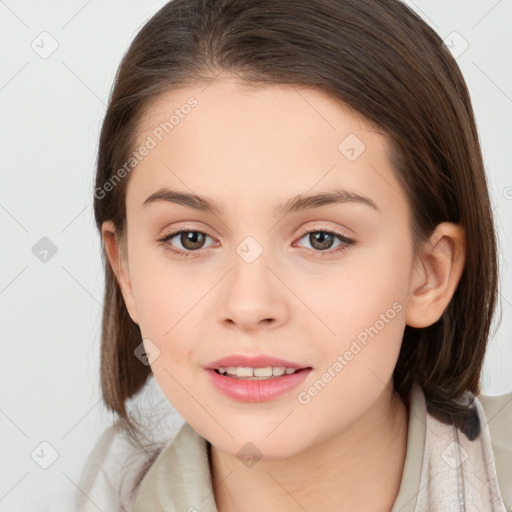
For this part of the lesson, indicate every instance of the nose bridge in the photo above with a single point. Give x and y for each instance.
(252, 294)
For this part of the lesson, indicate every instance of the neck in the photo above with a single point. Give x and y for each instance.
(358, 469)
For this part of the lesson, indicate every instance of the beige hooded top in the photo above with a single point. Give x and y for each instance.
(443, 470)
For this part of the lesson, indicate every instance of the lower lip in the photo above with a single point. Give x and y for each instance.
(246, 390)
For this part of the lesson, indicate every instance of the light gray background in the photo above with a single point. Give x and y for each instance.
(50, 114)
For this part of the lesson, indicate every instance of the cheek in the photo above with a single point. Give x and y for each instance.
(167, 298)
(160, 291)
(369, 282)
(364, 307)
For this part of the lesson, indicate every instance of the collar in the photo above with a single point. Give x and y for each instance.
(180, 479)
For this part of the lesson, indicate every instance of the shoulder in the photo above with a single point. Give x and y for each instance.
(498, 413)
(112, 472)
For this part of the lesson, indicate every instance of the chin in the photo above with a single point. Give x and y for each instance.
(253, 443)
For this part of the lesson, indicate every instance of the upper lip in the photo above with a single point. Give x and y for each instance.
(260, 361)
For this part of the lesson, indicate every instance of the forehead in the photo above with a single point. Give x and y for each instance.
(229, 100)
(271, 140)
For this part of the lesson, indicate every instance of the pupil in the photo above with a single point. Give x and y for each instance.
(192, 239)
(321, 240)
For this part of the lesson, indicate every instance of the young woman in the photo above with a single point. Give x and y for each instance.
(299, 248)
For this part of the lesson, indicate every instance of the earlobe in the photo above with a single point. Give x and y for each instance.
(436, 276)
(118, 261)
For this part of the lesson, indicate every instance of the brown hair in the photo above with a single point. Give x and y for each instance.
(382, 60)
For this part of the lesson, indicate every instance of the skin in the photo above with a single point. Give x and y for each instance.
(251, 149)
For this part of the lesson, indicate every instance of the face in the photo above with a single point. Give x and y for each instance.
(322, 285)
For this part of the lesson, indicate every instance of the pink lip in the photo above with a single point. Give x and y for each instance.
(257, 390)
(261, 361)
(246, 390)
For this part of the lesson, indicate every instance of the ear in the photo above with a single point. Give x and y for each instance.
(118, 259)
(437, 275)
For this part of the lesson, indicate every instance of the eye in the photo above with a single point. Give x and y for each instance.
(321, 240)
(190, 240)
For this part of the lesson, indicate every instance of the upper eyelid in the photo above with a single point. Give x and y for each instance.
(176, 232)
(173, 232)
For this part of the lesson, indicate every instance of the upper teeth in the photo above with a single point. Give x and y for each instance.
(268, 371)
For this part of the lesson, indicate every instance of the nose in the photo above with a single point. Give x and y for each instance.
(253, 297)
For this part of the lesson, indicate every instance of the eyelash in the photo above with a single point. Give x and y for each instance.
(347, 242)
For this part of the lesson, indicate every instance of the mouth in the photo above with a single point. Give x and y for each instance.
(256, 378)
(256, 384)
(249, 373)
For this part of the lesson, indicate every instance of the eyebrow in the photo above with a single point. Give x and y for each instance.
(295, 204)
